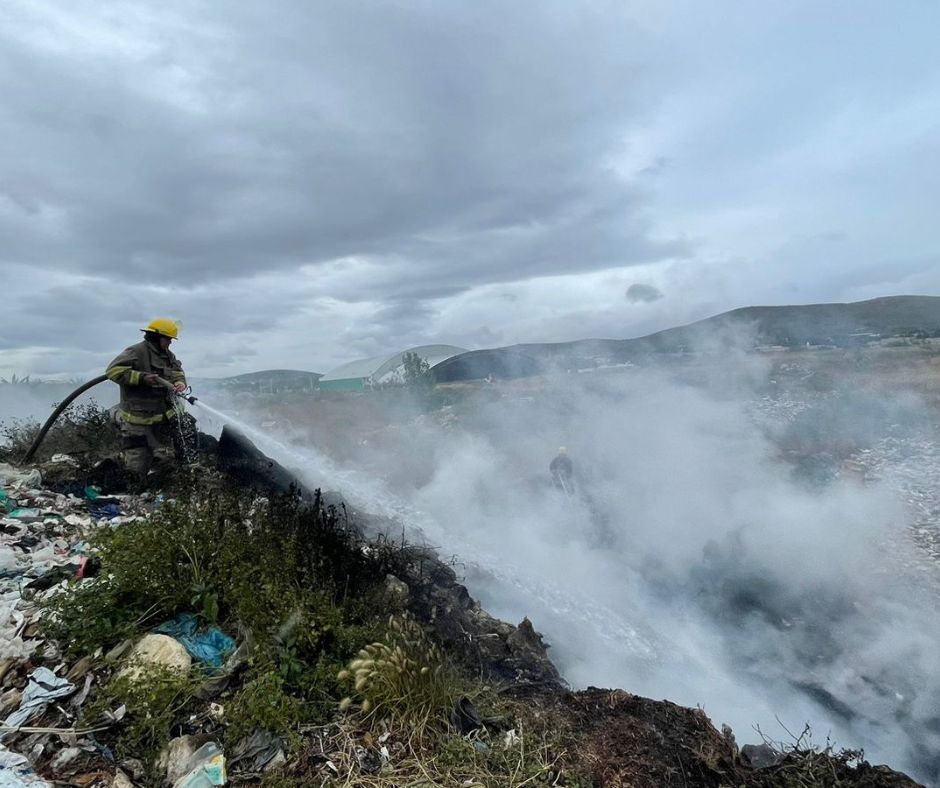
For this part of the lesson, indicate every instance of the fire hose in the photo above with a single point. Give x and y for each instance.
(40, 436)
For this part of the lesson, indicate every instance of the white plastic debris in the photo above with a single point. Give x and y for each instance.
(16, 772)
(205, 768)
(157, 650)
(44, 687)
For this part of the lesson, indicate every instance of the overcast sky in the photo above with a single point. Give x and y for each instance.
(305, 183)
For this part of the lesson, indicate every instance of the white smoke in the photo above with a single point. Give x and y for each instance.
(689, 565)
(685, 510)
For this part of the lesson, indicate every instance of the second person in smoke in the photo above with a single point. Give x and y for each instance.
(147, 412)
(562, 471)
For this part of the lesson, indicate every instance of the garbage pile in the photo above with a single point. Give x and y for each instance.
(910, 468)
(44, 544)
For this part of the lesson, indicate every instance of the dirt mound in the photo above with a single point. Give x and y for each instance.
(626, 740)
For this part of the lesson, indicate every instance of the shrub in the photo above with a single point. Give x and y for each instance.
(403, 678)
(84, 430)
(263, 702)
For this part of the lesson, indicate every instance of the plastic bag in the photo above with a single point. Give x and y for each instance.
(10, 475)
(206, 768)
(209, 646)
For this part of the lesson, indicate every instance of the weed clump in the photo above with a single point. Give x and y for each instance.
(404, 679)
(264, 701)
(154, 699)
(85, 430)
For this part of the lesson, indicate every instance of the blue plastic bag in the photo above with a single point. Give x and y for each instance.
(210, 646)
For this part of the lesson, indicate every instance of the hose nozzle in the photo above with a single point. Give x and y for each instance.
(187, 394)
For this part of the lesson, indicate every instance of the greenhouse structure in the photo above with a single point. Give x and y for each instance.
(366, 372)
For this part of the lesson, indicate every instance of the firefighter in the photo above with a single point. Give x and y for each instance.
(562, 471)
(147, 412)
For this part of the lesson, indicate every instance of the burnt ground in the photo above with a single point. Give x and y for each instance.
(616, 738)
(626, 740)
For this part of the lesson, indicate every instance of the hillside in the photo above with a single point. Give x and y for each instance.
(841, 325)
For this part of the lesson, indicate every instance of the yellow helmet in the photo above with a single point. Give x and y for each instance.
(164, 327)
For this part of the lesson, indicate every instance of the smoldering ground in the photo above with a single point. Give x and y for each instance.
(691, 563)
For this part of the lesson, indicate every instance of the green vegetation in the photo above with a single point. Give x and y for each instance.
(290, 577)
(154, 701)
(416, 372)
(84, 430)
(403, 679)
(307, 597)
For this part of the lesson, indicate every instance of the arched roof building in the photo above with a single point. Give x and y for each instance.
(357, 375)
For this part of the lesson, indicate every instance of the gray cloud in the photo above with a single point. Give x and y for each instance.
(639, 293)
(453, 145)
(302, 180)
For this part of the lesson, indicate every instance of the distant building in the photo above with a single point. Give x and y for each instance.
(363, 373)
(492, 364)
(269, 381)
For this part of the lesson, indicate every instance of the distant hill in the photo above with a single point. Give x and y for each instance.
(839, 325)
(814, 324)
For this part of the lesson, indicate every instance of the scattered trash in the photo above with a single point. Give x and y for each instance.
(121, 780)
(9, 562)
(464, 717)
(135, 767)
(511, 739)
(26, 515)
(256, 751)
(118, 651)
(44, 687)
(117, 715)
(157, 650)
(209, 646)
(88, 566)
(79, 698)
(761, 756)
(369, 760)
(90, 778)
(193, 762)
(10, 700)
(11, 476)
(16, 771)
(65, 757)
(45, 538)
(104, 511)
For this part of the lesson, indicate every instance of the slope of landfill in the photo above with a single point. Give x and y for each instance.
(594, 737)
